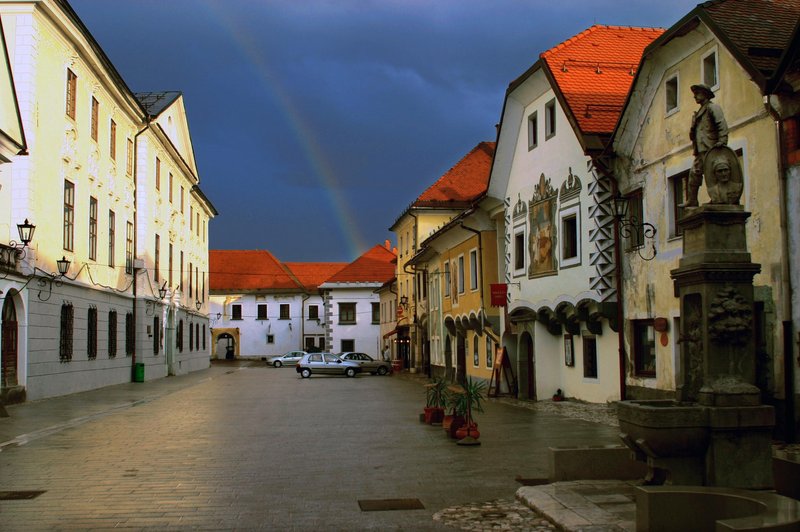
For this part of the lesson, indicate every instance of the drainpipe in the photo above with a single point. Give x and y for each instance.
(306, 297)
(135, 238)
(786, 281)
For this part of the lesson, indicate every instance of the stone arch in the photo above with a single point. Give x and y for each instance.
(229, 337)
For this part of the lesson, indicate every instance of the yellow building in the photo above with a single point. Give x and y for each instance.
(715, 46)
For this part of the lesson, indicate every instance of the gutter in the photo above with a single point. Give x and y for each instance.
(135, 237)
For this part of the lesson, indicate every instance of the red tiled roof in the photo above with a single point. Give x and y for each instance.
(464, 182)
(313, 274)
(375, 265)
(247, 270)
(594, 71)
(760, 29)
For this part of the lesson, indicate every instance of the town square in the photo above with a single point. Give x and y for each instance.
(574, 306)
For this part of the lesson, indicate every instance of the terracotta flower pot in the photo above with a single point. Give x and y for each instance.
(455, 424)
(465, 430)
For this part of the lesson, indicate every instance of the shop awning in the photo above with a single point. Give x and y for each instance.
(390, 333)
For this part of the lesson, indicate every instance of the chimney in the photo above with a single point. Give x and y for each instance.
(387, 244)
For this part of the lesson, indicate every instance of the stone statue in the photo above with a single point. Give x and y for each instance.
(723, 176)
(709, 130)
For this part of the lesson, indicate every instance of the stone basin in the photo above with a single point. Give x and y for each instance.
(664, 428)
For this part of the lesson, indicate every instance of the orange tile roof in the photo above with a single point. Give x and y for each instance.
(247, 270)
(375, 265)
(594, 71)
(464, 182)
(313, 274)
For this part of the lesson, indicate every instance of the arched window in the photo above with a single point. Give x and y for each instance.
(489, 351)
(65, 337)
(112, 333)
(156, 335)
(476, 355)
(179, 337)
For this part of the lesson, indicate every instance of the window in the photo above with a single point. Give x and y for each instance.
(550, 119)
(170, 187)
(533, 131)
(635, 213)
(671, 94)
(473, 269)
(191, 338)
(129, 158)
(190, 279)
(570, 237)
(169, 264)
(130, 331)
(94, 117)
(589, 357)
(197, 336)
(710, 72)
(158, 173)
(179, 337)
(284, 311)
(676, 199)
(236, 312)
(376, 313)
(313, 312)
(92, 228)
(446, 279)
(129, 248)
(181, 198)
(197, 223)
(112, 139)
(157, 260)
(644, 347)
(262, 312)
(69, 216)
(461, 274)
(489, 351)
(112, 229)
(191, 218)
(156, 335)
(347, 315)
(72, 86)
(112, 333)
(348, 345)
(270, 338)
(476, 356)
(65, 334)
(519, 250)
(91, 333)
(180, 273)
(204, 337)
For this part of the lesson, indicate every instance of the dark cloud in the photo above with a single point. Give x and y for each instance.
(375, 97)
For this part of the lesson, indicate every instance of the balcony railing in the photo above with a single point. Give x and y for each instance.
(9, 259)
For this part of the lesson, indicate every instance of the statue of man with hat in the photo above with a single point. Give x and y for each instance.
(709, 130)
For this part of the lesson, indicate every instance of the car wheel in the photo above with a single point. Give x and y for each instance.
(277, 363)
(383, 370)
(305, 373)
(350, 372)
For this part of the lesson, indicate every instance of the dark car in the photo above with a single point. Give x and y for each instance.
(367, 363)
(326, 364)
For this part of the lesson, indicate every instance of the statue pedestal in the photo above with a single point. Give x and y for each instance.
(717, 433)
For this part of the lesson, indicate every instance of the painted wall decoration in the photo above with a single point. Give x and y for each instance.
(543, 236)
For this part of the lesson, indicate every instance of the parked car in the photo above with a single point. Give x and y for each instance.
(326, 364)
(287, 359)
(367, 363)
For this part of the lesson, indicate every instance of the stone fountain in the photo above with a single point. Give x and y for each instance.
(717, 433)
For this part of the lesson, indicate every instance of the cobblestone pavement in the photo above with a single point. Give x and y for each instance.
(254, 448)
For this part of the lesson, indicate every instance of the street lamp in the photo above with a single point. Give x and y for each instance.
(635, 230)
(26, 231)
(404, 301)
(198, 304)
(63, 266)
(162, 292)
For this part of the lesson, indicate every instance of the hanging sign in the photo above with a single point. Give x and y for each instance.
(499, 292)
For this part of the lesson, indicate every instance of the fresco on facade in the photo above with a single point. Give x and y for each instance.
(543, 231)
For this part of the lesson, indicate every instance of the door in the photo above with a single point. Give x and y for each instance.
(526, 350)
(461, 359)
(8, 351)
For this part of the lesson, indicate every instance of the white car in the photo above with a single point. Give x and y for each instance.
(287, 359)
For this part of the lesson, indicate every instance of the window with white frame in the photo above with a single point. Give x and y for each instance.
(710, 69)
(550, 119)
(570, 236)
(519, 250)
(476, 356)
(533, 131)
(261, 311)
(473, 269)
(489, 351)
(236, 312)
(284, 311)
(460, 274)
(671, 94)
(676, 202)
(447, 279)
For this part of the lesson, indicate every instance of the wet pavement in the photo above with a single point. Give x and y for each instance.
(243, 446)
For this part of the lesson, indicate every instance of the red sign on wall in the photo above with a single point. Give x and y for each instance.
(499, 292)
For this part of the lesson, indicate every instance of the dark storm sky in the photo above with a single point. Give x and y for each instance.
(315, 123)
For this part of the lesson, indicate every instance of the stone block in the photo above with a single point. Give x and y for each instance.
(594, 463)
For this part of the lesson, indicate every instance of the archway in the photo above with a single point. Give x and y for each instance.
(461, 359)
(8, 349)
(225, 343)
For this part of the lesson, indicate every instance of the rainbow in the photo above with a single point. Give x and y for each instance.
(304, 134)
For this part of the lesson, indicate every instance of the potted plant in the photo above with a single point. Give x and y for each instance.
(435, 401)
(457, 407)
(474, 394)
